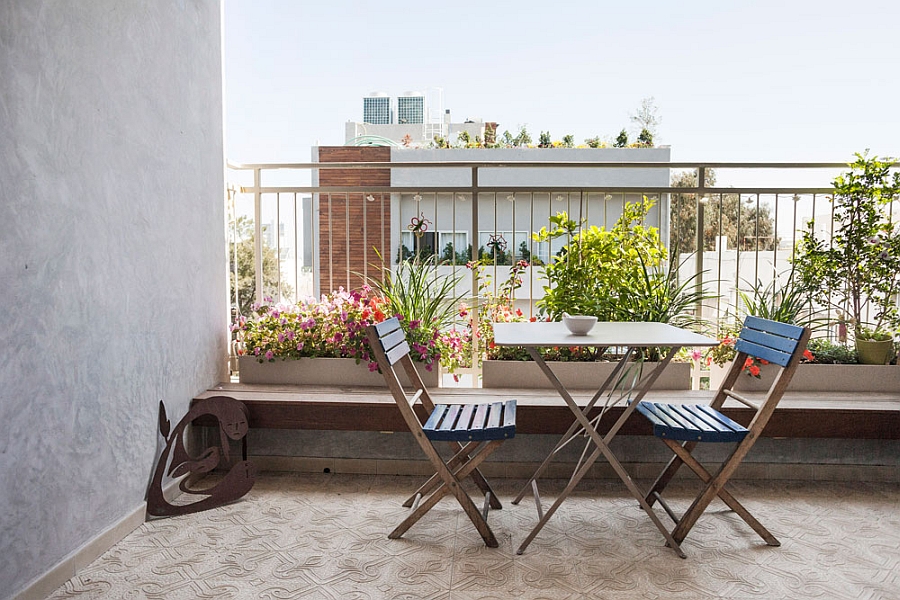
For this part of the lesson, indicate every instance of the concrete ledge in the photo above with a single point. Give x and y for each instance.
(841, 415)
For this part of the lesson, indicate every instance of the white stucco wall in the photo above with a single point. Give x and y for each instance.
(112, 280)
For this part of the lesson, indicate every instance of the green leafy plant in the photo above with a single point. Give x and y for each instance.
(599, 269)
(859, 273)
(787, 302)
(826, 352)
(417, 293)
(621, 140)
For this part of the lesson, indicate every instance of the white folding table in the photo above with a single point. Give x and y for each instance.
(631, 337)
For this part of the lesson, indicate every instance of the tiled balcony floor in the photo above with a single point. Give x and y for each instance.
(325, 537)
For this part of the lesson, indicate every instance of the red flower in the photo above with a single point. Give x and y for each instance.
(808, 355)
(754, 370)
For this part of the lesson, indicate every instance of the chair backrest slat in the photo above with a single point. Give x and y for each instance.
(769, 340)
(392, 340)
(397, 352)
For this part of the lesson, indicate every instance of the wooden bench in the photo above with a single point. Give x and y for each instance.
(799, 415)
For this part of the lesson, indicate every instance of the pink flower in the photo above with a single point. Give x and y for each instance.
(269, 355)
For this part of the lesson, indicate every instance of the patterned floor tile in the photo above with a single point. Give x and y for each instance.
(324, 537)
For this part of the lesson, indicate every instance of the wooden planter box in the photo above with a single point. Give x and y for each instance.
(819, 378)
(573, 375)
(322, 371)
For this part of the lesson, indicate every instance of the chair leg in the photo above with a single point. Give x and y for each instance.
(715, 487)
(463, 454)
(667, 473)
(451, 484)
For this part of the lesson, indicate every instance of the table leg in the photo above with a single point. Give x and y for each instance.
(602, 443)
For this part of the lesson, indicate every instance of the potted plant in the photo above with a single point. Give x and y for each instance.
(318, 341)
(618, 274)
(859, 272)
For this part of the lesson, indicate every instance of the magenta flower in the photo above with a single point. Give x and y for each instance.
(270, 355)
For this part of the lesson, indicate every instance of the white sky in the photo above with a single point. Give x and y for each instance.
(798, 81)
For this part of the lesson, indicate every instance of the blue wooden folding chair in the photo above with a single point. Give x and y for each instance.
(681, 426)
(474, 431)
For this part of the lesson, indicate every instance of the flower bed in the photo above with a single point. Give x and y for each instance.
(333, 327)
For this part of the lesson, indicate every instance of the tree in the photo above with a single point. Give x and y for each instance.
(645, 118)
(748, 226)
(621, 140)
(242, 246)
(645, 139)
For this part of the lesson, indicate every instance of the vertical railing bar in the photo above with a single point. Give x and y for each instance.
(775, 245)
(365, 224)
(698, 256)
(277, 233)
(386, 250)
(512, 254)
(257, 229)
(756, 237)
(476, 308)
(232, 193)
(531, 247)
(347, 236)
(296, 252)
(721, 253)
(330, 245)
(436, 250)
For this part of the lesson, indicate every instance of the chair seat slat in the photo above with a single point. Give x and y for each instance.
(713, 422)
(434, 419)
(685, 413)
(450, 418)
(472, 422)
(509, 414)
(465, 418)
(734, 425)
(494, 419)
(679, 422)
(479, 421)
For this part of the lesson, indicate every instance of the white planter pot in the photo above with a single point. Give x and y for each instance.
(818, 378)
(322, 371)
(573, 375)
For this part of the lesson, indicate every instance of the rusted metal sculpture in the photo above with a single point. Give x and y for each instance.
(232, 420)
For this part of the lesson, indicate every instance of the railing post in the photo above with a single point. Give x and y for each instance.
(701, 183)
(476, 309)
(257, 235)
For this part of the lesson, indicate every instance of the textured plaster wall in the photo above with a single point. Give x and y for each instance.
(112, 272)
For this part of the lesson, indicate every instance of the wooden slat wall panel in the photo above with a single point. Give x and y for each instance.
(367, 223)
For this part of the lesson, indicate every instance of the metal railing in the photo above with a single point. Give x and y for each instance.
(313, 230)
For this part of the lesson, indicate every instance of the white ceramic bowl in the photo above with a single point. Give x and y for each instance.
(579, 324)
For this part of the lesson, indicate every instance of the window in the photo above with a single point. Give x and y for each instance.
(450, 247)
(504, 246)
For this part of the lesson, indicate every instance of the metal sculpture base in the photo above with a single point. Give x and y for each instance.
(233, 423)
